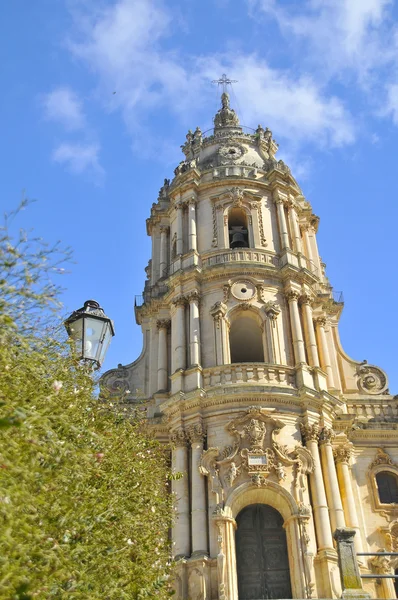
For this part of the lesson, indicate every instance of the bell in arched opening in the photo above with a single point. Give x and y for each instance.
(237, 228)
(238, 237)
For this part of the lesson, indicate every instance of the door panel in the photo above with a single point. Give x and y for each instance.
(261, 554)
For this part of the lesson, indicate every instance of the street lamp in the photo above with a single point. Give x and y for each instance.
(91, 332)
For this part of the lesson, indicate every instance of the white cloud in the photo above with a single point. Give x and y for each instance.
(79, 158)
(63, 106)
(391, 107)
(342, 34)
(124, 45)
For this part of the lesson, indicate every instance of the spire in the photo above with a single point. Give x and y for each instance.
(226, 116)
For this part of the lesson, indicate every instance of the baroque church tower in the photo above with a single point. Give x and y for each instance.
(280, 436)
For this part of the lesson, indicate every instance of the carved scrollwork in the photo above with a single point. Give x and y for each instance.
(371, 379)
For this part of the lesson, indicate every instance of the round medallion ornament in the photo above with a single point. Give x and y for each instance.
(230, 153)
(243, 290)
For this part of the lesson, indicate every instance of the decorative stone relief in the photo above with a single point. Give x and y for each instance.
(178, 438)
(196, 433)
(243, 290)
(382, 458)
(230, 153)
(371, 379)
(255, 454)
(272, 310)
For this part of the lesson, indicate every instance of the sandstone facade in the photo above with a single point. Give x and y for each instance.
(281, 436)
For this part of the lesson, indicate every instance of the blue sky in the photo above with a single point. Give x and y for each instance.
(322, 74)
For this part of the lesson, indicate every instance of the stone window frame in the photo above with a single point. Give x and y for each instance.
(382, 463)
(251, 204)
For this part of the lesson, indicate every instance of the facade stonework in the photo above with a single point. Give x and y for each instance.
(281, 438)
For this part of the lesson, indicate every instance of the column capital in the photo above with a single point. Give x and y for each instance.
(179, 205)
(310, 432)
(307, 299)
(164, 229)
(342, 454)
(196, 433)
(321, 321)
(163, 323)
(326, 435)
(178, 438)
(278, 197)
(192, 201)
(179, 301)
(292, 295)
(193, 296)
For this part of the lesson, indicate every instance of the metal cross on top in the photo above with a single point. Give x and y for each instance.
(224, 81)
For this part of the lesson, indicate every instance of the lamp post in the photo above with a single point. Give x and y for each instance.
(91, 332)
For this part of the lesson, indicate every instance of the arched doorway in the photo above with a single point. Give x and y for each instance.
(261, 554)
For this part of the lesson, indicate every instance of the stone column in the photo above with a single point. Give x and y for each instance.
(309, 332)
(162, 325)
(336, 512)
(179, 245)
(312, 266)
(350, 576)
(192, 224)
(194, 328)
(324, 350)
(342, 456)
(310, 434)
(297, 334)
(294, 228)
(198, 494)
(178, 335)
(272, 311)
(284, 235)
(180, 489)
(163, 250)
(218, 311)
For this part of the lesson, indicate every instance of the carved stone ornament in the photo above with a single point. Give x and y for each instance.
(230, 153)
(243, 290)
(381, 564)
(326, 435)
(310, 432)
(342, 454)
(196, 433)
(163, 323)
(382, 458)
(236, 195)
(391, 536)
(115, 383)
(371, 379)
(178, 438)
(218, 310)
(254, 454)
(272, 310)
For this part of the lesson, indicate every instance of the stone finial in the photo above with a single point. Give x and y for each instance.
(226, 116)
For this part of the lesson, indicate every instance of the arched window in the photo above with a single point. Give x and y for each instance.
(246, 340)
(387, 485)
(237, 228)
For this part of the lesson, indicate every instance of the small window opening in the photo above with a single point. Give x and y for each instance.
(237, 229)
(387, 484)
(246, 341)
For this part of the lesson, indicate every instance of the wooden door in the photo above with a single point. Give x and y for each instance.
(261, 554)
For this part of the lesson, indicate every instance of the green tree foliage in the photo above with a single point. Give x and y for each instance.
(84, 507)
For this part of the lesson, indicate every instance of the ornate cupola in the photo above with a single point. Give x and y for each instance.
(245, 381)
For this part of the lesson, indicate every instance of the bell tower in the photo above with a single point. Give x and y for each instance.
(245, 380)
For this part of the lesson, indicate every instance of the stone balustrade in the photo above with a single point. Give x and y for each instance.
(374, 410)
(220, 257)
(257, 373)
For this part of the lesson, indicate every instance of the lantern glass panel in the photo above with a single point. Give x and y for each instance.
(107, 336)
(76, 334)
(93, 329)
